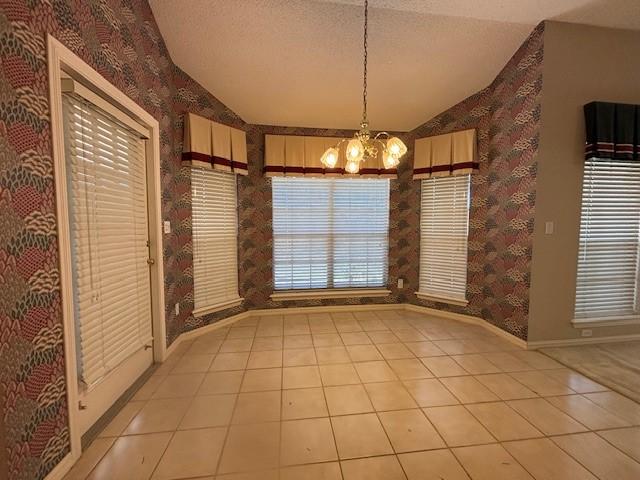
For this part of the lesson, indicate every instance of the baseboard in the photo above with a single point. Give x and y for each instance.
(341, 308)
(62, 468)
(572, 342)
(395, 306)
(468, 319)
(197, 332)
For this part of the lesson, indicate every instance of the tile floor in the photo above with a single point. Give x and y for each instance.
(379, 395)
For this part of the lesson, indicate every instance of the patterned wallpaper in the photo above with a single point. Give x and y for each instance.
(118, 38)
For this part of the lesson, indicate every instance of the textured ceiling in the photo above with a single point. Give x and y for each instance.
(299, 62)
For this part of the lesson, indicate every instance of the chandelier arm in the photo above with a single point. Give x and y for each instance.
(388, 135)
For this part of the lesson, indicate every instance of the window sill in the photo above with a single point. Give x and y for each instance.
(200, 312)
(605, 321)
(462, 302)
(329, 293)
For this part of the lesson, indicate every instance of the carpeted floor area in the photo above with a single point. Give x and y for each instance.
(616, 365)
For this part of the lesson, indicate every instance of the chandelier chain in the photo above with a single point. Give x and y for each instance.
(364, 85)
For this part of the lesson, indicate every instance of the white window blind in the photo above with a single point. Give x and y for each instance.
(330, 233)
(444, 222)
(109, 234)
(607, 278)
(215, 238)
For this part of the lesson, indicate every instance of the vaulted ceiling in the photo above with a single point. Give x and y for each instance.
(299, 62)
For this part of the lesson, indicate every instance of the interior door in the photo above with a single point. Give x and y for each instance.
(108, 217)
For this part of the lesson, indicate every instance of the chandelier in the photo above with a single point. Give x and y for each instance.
(364, 145)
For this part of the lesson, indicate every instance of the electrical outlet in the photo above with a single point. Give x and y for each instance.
(401, 283)
(586, 332)
(167, 226)
(177, 309)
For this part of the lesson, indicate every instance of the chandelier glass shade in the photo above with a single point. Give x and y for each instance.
(364, 146)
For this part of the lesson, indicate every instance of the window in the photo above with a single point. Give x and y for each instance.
(607, 278)
(215, 244)
(330, 233)
(444, 222)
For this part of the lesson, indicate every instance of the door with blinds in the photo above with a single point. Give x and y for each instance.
(108, 218)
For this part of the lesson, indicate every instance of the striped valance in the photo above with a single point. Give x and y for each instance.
(299, 156)
(613, 131)
(449, 154)
(212, 145)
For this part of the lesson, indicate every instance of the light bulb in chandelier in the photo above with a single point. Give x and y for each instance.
(396, 147)
(330, 157)
(355, 151)
(352, 166)
(389, 161)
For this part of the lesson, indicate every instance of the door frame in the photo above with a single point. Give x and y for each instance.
(62, 60)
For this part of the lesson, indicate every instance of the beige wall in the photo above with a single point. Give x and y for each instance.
(581, 64)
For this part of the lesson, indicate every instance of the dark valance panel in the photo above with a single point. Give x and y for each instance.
(613, 131)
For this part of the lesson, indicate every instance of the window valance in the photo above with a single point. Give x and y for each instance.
(613, 131)
(299, 156)
(443, 155)
(210, 144)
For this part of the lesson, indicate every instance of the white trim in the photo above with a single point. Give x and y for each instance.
(216, 308)
(69, 85)
(462, 302)
(61, 58)
(605, 321)
(329, 293)
(468, 319)
(569, 342)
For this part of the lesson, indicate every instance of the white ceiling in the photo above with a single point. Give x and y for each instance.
(299, 62)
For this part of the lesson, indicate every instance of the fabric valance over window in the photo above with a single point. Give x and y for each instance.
(443, 155)
(212, 145)
(299, 156)
(613, 131)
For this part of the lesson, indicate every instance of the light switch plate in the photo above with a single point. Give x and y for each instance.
(177, 309)
(586, 332)
(167, 226)
(548, 228)
(401, 283)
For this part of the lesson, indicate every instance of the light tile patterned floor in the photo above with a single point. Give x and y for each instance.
(379, 395)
